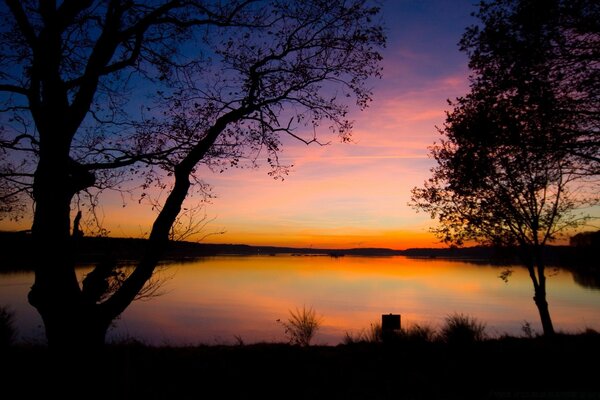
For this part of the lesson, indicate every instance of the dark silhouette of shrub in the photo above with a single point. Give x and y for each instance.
(301, 326)
(462, 329)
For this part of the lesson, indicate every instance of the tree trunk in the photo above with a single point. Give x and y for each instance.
(532, 256)
(55, 286)
(542, 306)
(158, 240)
(74, 326)
(69, 321)
(540, 292)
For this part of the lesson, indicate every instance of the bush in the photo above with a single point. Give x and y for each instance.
(8, 331)
(301, 326)
(462, 329)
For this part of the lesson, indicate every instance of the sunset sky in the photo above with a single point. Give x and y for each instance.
(345, 195)
(356, 195)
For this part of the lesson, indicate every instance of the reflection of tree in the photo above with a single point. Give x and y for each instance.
(587, 277)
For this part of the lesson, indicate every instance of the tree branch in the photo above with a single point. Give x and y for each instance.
(22, 21)
(13, 89)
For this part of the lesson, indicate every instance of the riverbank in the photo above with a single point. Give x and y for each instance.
(564, 367)
(17, 252)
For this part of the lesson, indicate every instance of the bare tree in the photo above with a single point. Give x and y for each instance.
(98, 92)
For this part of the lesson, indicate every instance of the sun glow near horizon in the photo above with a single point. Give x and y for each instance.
(342, 195)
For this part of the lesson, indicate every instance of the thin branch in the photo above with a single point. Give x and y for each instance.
(22, 21)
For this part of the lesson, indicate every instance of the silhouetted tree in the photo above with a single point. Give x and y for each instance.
(544, 56)
(97, 92)
(519, 151)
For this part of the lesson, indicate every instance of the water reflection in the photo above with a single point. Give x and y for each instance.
(588, 277)
(214, 300)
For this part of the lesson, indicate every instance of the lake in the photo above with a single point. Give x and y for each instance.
(220, 300)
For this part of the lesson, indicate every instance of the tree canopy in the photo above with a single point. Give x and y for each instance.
(138, 84)
(96, 93)
(519, 154)
(542, 57)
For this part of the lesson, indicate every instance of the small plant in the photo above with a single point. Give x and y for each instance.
(301, 326)
(528, 331)
(8, 331)
(462, 329)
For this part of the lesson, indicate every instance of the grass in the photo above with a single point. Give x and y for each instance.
(420, 363)
(8, 331)
(458, 329)
(488, 369)
(419, 333)
(372, 335)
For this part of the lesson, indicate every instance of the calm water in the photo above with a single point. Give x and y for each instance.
(218, 299)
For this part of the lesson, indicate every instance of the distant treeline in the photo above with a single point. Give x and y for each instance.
(15, 251)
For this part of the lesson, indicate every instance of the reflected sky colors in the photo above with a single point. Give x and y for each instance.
(213, 301)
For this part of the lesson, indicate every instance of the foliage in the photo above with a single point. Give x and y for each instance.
(415, 333)
(542, 58)
(141, 91)
(419, 333)
(372, 335)
(301, 326)
(497, 181)
(516, 151)
(519, 153)
(128, 95)
(7, 327)
(462, 329)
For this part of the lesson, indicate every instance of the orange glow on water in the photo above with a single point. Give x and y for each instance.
(213, 300)
(216, 299)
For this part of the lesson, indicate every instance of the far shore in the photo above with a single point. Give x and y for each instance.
(16, 252)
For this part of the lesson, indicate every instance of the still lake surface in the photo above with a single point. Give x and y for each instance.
(220, 299)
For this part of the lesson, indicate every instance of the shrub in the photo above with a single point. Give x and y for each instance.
(462, 329)
(301, 326)
(8, 331)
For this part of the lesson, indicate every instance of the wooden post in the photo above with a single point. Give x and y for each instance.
(390, 323)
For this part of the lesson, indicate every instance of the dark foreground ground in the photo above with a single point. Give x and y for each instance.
(566, 367)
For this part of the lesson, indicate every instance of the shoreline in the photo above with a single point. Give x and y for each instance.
(524, 368)
(95, 249)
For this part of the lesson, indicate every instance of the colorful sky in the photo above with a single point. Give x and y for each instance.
(356, 195)
(347, 195)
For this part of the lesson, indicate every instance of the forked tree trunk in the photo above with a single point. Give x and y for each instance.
(69, 320)
(71, 316)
